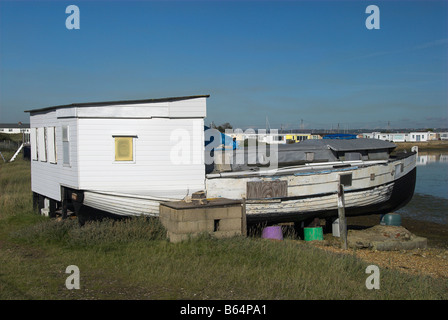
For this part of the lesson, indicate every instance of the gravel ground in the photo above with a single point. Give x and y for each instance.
(431, 261)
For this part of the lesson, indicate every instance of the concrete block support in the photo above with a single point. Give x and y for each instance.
(220, 218)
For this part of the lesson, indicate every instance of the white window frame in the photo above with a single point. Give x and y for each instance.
(41, 145)
(33, 140)
(65, 145)
(134, 145)
(51, 145)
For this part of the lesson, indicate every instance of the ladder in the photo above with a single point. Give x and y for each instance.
(15, 154)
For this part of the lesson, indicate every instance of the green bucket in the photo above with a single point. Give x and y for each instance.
(391, 219)
(313, 234)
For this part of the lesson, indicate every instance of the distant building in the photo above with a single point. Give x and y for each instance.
(12, 128)
(443, 135)
(272, 138)
(298, 137)
(419, 136)
(405, 137)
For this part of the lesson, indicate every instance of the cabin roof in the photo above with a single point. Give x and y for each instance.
(339, 145)
(120, 102)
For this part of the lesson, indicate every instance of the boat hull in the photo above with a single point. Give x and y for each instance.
(306, 192)
(393, 197)
(373, 188)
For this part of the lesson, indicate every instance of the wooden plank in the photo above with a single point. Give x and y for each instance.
(266, 189)
(341, 213)
(244, 219)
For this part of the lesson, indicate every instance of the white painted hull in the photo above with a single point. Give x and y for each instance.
(323, 203)
(311, 190)
(125, 204)
(314, 192)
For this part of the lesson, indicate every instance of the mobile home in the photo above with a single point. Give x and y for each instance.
(419, 136)
(95, 153)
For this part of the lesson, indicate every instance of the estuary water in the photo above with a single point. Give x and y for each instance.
(430, 201)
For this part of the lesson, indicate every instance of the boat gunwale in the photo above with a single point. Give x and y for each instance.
(348, 165)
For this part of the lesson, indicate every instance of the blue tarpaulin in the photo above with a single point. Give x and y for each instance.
(226, 140)
(340, 136)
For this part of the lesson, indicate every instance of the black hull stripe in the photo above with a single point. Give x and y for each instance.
(401, 194)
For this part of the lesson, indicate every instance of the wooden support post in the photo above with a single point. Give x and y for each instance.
(64, 203)
(40, 204)
(243, 219)
(341, 213)
(52, 212)
(36, 202)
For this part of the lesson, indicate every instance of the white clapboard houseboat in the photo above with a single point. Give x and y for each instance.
(127, 157)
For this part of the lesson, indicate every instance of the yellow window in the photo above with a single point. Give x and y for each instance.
(124, 150)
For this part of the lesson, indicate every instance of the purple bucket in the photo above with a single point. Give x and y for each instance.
(274, 232)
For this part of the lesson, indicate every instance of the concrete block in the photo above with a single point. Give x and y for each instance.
(230, 225)
(192, 215)
(235, 211)
(186, 220)
(217, 213)
(192, 226)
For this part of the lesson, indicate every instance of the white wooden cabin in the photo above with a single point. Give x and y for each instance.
(149, 149)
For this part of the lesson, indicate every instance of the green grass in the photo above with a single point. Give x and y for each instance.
(132, 259)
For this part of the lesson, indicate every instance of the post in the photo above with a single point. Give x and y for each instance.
(341, 213)
(36, 202)
(64, 203)
(243, 219)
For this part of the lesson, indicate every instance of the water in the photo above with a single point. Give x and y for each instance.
(430, 201)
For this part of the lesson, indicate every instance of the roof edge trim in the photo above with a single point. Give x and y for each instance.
(110, 103)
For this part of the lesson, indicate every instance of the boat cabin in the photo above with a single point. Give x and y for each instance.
(142, 147)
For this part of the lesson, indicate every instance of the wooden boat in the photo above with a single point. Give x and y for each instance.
(306, 182)
(303, 187)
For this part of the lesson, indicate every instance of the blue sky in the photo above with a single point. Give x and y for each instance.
(293, 62)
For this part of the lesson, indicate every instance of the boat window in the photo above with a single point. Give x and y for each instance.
(66, 145)
(346, 179)
(352, 156)
(124, 148)
(51, 144)
(309, 156)
(399, 169)
(41, 147)
(33, 140)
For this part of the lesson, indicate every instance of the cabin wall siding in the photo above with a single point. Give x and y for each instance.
(46, 177)
(159, 128)
(152, 168)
